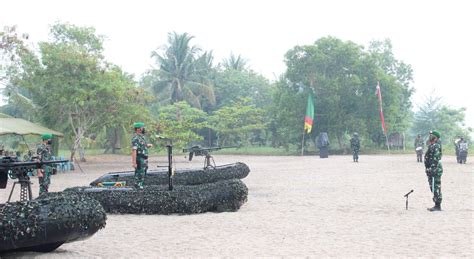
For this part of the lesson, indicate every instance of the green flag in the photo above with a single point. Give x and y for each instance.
(308, 118)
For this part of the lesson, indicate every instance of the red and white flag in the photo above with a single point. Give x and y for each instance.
(379, 96)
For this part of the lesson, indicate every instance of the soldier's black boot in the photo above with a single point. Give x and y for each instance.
(437, 207)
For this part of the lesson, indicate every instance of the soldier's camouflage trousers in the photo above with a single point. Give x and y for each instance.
(437, 195)
(355, 154)
(140, 173)
(419, 156)
(45, 180)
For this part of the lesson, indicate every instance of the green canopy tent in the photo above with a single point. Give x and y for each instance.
(21, 127)
(24, 127)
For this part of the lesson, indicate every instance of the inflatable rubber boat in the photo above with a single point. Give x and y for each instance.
(226, 195)
(44, 224)
(181, 176)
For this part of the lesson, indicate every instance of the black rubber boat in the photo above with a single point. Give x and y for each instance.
(181, 177)
(44, 224)
(227, 195)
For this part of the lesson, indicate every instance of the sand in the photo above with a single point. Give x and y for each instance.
(297, 207)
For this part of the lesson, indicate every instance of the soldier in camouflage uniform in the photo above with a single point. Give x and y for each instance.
(44, 154)
(355, 146)
(434, 168)
(139, 154)
(419, 146)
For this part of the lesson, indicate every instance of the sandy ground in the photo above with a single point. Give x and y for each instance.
(297, 207)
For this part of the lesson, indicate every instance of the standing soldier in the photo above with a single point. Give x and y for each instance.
(434, 168)
(456, 146)
(139, 154)
(463, 148)
(355, 146)
(44, 154)
(419, 146)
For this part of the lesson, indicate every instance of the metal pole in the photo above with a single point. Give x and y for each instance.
(170, 166)
(302, 144)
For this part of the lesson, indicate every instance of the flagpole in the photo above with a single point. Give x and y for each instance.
(386, 139)
(302, 144)
(382, 120)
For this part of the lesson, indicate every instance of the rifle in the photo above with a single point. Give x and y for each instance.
(205, 151)
(11, 166)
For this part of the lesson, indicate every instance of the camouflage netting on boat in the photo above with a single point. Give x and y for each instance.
(49, 221)
(222, 196)
(182, 176)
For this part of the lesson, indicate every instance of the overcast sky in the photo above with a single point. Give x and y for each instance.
(435, 37)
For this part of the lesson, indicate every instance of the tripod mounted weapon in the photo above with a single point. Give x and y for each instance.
(11, 166)
(206, 152)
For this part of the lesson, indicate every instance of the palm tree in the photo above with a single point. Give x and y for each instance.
(179, 76)
(233, 62)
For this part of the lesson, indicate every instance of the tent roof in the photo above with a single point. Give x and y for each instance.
(24, 127)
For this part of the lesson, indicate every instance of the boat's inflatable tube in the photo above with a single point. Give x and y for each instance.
(181, 177)
(44, 224)
(228, 195)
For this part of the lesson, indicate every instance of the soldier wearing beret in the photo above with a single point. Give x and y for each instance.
(44, 154)
(139, 154)
(434, 168)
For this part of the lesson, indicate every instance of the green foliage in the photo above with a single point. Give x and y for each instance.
(182, 72)
(287, 115)
(74, 89)
(434, 115)
(342, 77)
(236, 123)
(234, 63)
(232, 84)
(180, 122)
(13, 49)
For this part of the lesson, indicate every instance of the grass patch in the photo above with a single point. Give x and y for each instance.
(266, 151)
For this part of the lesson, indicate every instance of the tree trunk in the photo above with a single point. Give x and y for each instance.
(82, 157)
(117, 141)
(341, 144)
(79, 133)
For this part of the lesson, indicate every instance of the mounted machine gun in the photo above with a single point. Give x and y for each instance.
(206, 152)
(11, 167)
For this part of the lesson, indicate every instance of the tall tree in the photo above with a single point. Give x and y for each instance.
(231, 84)
(234, 63)
(13, 52)
(182, 129)
(435, 115)
(236, 123)
(73, 86)
(178, 77)
(342, 77)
